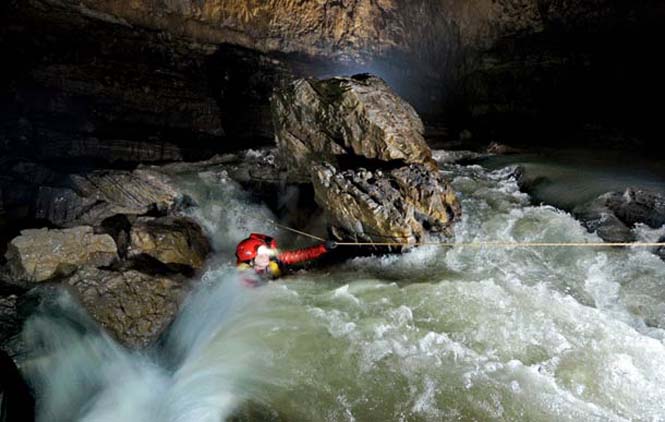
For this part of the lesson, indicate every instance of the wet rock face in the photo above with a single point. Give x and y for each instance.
(41, 254)
(613, 215)
(401, 205)
(342, 118)
(90, 198)
(598, 218)
(134, 307)
(637, 206)
(362, 147)
(173, 241)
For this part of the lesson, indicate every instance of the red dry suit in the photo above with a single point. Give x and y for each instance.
(247, 250)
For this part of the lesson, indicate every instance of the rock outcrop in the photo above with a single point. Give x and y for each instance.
(613, 215)
(101, 194)
(42, 254)
(596, 217)
(362, 147)
(173, 241)
(358, 118)
(402, 205)
(637, 206)
(129, 260)
(133, 306)
(30, 191)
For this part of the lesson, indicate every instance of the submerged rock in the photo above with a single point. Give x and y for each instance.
(42, 254)
(172, 241)
(400, 205)
(132, 306)
(345, 120)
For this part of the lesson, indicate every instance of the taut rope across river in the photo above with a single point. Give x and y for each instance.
(489, 244)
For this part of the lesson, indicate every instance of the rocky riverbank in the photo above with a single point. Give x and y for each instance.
(121, 241)
(118, 239)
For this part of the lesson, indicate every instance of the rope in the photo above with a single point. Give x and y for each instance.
(281, 226)
(507, 244)
(482, 244)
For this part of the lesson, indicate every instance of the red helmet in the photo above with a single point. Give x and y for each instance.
(247, 249)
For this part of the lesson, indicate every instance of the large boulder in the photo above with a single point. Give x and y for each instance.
(133, 306)
(348, 120)
(596, 217)
(400, 205)
(613, 214)
(637, 206)
(173, 241)
(31, 191)
(91, 198)
(42, 254)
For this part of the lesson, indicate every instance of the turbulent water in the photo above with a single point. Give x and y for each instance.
(468, 333)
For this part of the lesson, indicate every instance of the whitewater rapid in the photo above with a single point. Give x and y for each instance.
(462, 334)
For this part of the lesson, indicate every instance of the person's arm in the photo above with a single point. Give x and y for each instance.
(306, 254)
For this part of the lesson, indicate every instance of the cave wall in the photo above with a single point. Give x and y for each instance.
(130, 81)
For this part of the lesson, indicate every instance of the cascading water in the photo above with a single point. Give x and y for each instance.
(434, 334)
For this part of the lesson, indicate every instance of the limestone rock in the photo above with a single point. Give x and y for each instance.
(598, 218)
(346, 29)
(41, 254)
(170, 240)
(612, 215)
(345, 119)
(402, 205)
(637, 206)
(93, 197)
(137, 191)
(132, 306)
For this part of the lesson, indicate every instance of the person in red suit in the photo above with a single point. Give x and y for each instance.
(260, 253)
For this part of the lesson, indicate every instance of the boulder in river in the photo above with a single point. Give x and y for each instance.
(173, 241)
(41, 254)
(133, 306)
(345, 120)
(637, 206)
(598, 218)
(399, 205)
(613, 214)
